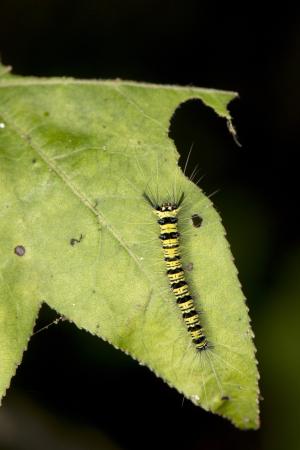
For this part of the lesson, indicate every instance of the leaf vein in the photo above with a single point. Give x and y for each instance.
(76, 191)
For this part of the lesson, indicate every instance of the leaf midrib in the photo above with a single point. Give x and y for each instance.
(74, 189)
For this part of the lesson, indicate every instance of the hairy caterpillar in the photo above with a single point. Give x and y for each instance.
(167, 213)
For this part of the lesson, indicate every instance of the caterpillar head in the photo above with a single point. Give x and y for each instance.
(166, 208)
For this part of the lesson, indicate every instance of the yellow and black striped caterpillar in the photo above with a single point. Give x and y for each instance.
(167, 214)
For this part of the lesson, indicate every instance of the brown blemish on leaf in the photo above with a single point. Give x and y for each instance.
(20, 250)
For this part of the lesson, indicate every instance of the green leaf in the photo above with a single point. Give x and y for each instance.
(76, 157)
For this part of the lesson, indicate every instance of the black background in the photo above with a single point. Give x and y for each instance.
(74, 391)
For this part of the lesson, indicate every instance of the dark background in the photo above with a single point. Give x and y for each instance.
(74, 391)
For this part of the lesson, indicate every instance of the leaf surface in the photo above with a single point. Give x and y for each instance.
(75, 159)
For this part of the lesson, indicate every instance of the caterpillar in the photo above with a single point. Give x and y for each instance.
(167, 214)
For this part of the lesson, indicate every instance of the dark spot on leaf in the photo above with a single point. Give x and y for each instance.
(197, 220)
(103, 126)
(74, 241)
(20, 250)
(33, 161)
(93, 291)
(225, 398)
(189, 267)
(46, 113)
